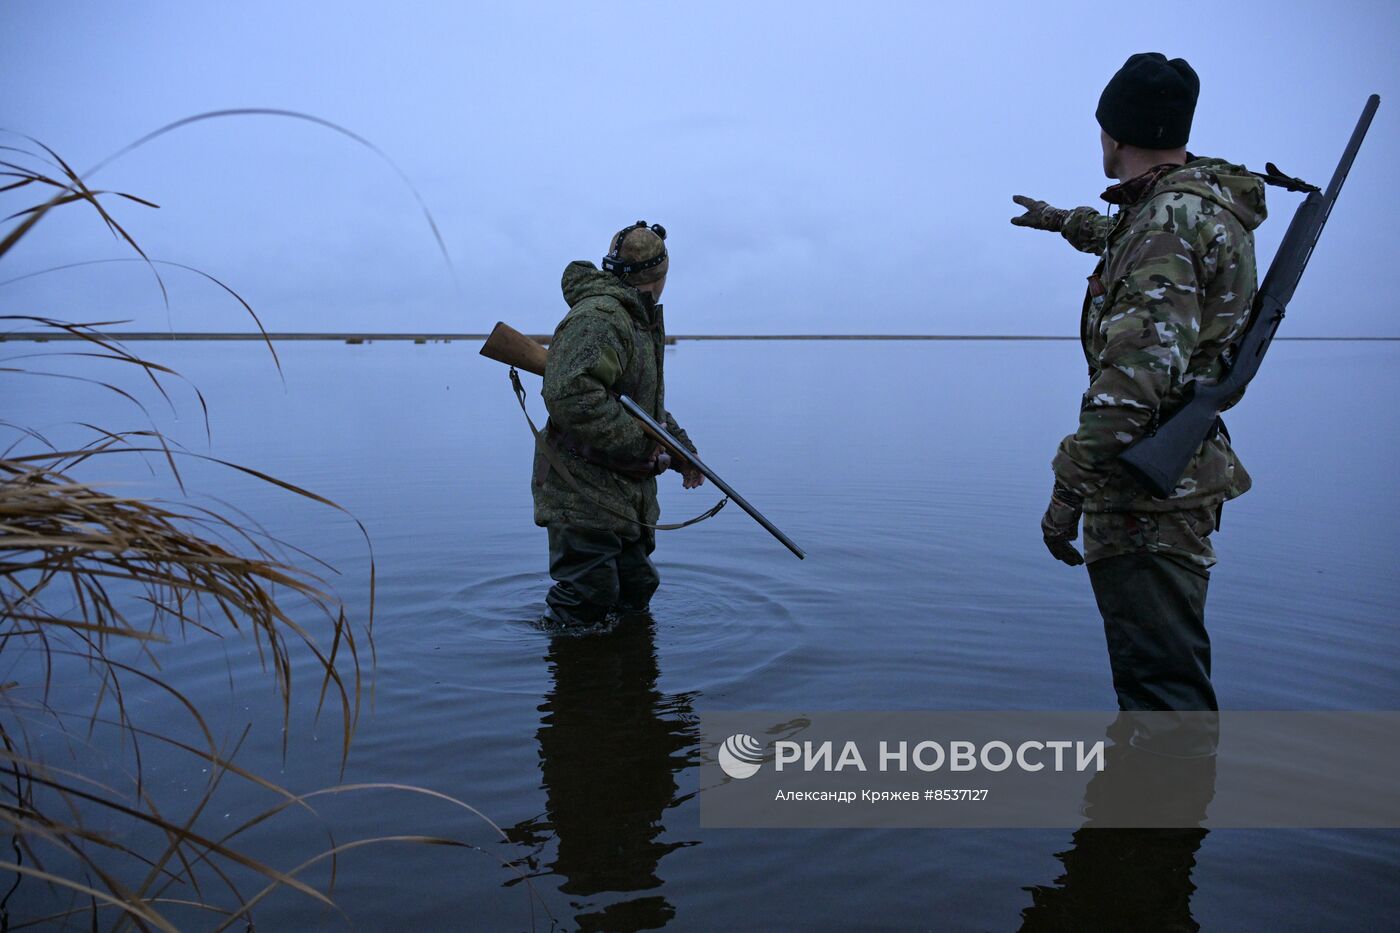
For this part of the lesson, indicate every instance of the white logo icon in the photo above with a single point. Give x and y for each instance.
(741, 755)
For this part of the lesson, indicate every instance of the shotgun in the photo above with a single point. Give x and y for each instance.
(507, 345)
(1159, 459)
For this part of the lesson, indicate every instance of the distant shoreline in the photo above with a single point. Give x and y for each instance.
(357, 338)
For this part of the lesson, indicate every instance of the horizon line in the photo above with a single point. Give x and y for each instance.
(431, 337)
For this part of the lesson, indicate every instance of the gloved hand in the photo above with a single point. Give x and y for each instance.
(1039, 215)
(1060, 525)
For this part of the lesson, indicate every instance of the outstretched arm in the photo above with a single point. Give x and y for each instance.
(1085, 228)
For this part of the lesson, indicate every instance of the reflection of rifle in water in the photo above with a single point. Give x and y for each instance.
(507, 345)
(1160, 458)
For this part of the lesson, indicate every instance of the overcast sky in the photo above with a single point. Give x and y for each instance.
(820, 167)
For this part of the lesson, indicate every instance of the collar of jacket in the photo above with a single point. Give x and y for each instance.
(651, 310)
(1135, 189)
(639, 304)
(583, 280)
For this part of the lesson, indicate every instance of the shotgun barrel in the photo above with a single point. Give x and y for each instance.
(507, 345)
(656, 430)
(1159, 459)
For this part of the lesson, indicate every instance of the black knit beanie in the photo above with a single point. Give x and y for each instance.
(1150, 102)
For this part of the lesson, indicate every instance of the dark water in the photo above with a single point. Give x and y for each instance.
(914, 474)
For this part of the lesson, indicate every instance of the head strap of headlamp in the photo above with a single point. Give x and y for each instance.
(613, 261)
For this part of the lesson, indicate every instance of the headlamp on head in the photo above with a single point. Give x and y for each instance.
(613, 261)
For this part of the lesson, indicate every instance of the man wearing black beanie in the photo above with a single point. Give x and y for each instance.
(1149, 102)
(1172, 291)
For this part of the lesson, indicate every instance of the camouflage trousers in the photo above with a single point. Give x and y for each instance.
(598, 572)
(1183, 534)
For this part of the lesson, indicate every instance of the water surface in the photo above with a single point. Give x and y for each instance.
(914, 474)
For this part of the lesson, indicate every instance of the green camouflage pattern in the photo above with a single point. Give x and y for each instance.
(1183, 534)
(1178, 280)
(1087, 230)
(612, 340)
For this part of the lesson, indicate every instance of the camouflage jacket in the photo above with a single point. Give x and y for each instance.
(1172, 291)
(612, 341)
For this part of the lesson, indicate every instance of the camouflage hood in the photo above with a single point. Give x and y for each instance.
(583, 280)
(612, 340)
(1233, 187)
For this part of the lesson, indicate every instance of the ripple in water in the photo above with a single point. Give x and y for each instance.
(711, 628)
(716, 628)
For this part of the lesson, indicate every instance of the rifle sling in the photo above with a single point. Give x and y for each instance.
(556, 462)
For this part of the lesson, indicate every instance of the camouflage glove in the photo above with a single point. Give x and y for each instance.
(1060, 525)
(1039, 215)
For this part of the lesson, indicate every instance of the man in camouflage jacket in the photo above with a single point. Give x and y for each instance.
(611, 342)
(1171, 293)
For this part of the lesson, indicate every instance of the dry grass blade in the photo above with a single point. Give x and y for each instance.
(91, 580)
(147, 536)
(307, 118)
(139, 911)
(332, 853)
(80, 188)
(55, 530)
(186, 836)
(257, 321)
(181, 840)
(173, 901)
(114, 350)
(75, 190)
(403, 788)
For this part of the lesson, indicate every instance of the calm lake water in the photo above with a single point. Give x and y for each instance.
(914, 474)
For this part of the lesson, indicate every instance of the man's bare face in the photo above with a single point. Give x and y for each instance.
(1110, 154)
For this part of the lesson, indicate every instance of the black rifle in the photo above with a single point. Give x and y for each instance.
(1159, 459)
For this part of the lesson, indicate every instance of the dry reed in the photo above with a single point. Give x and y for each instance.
(89, 580)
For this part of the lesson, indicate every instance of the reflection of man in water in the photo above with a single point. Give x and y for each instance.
(610, 747)
(1118, 877)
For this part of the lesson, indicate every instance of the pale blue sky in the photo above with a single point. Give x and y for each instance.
(821, 167)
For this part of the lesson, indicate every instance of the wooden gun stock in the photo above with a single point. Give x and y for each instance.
(508, 345)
